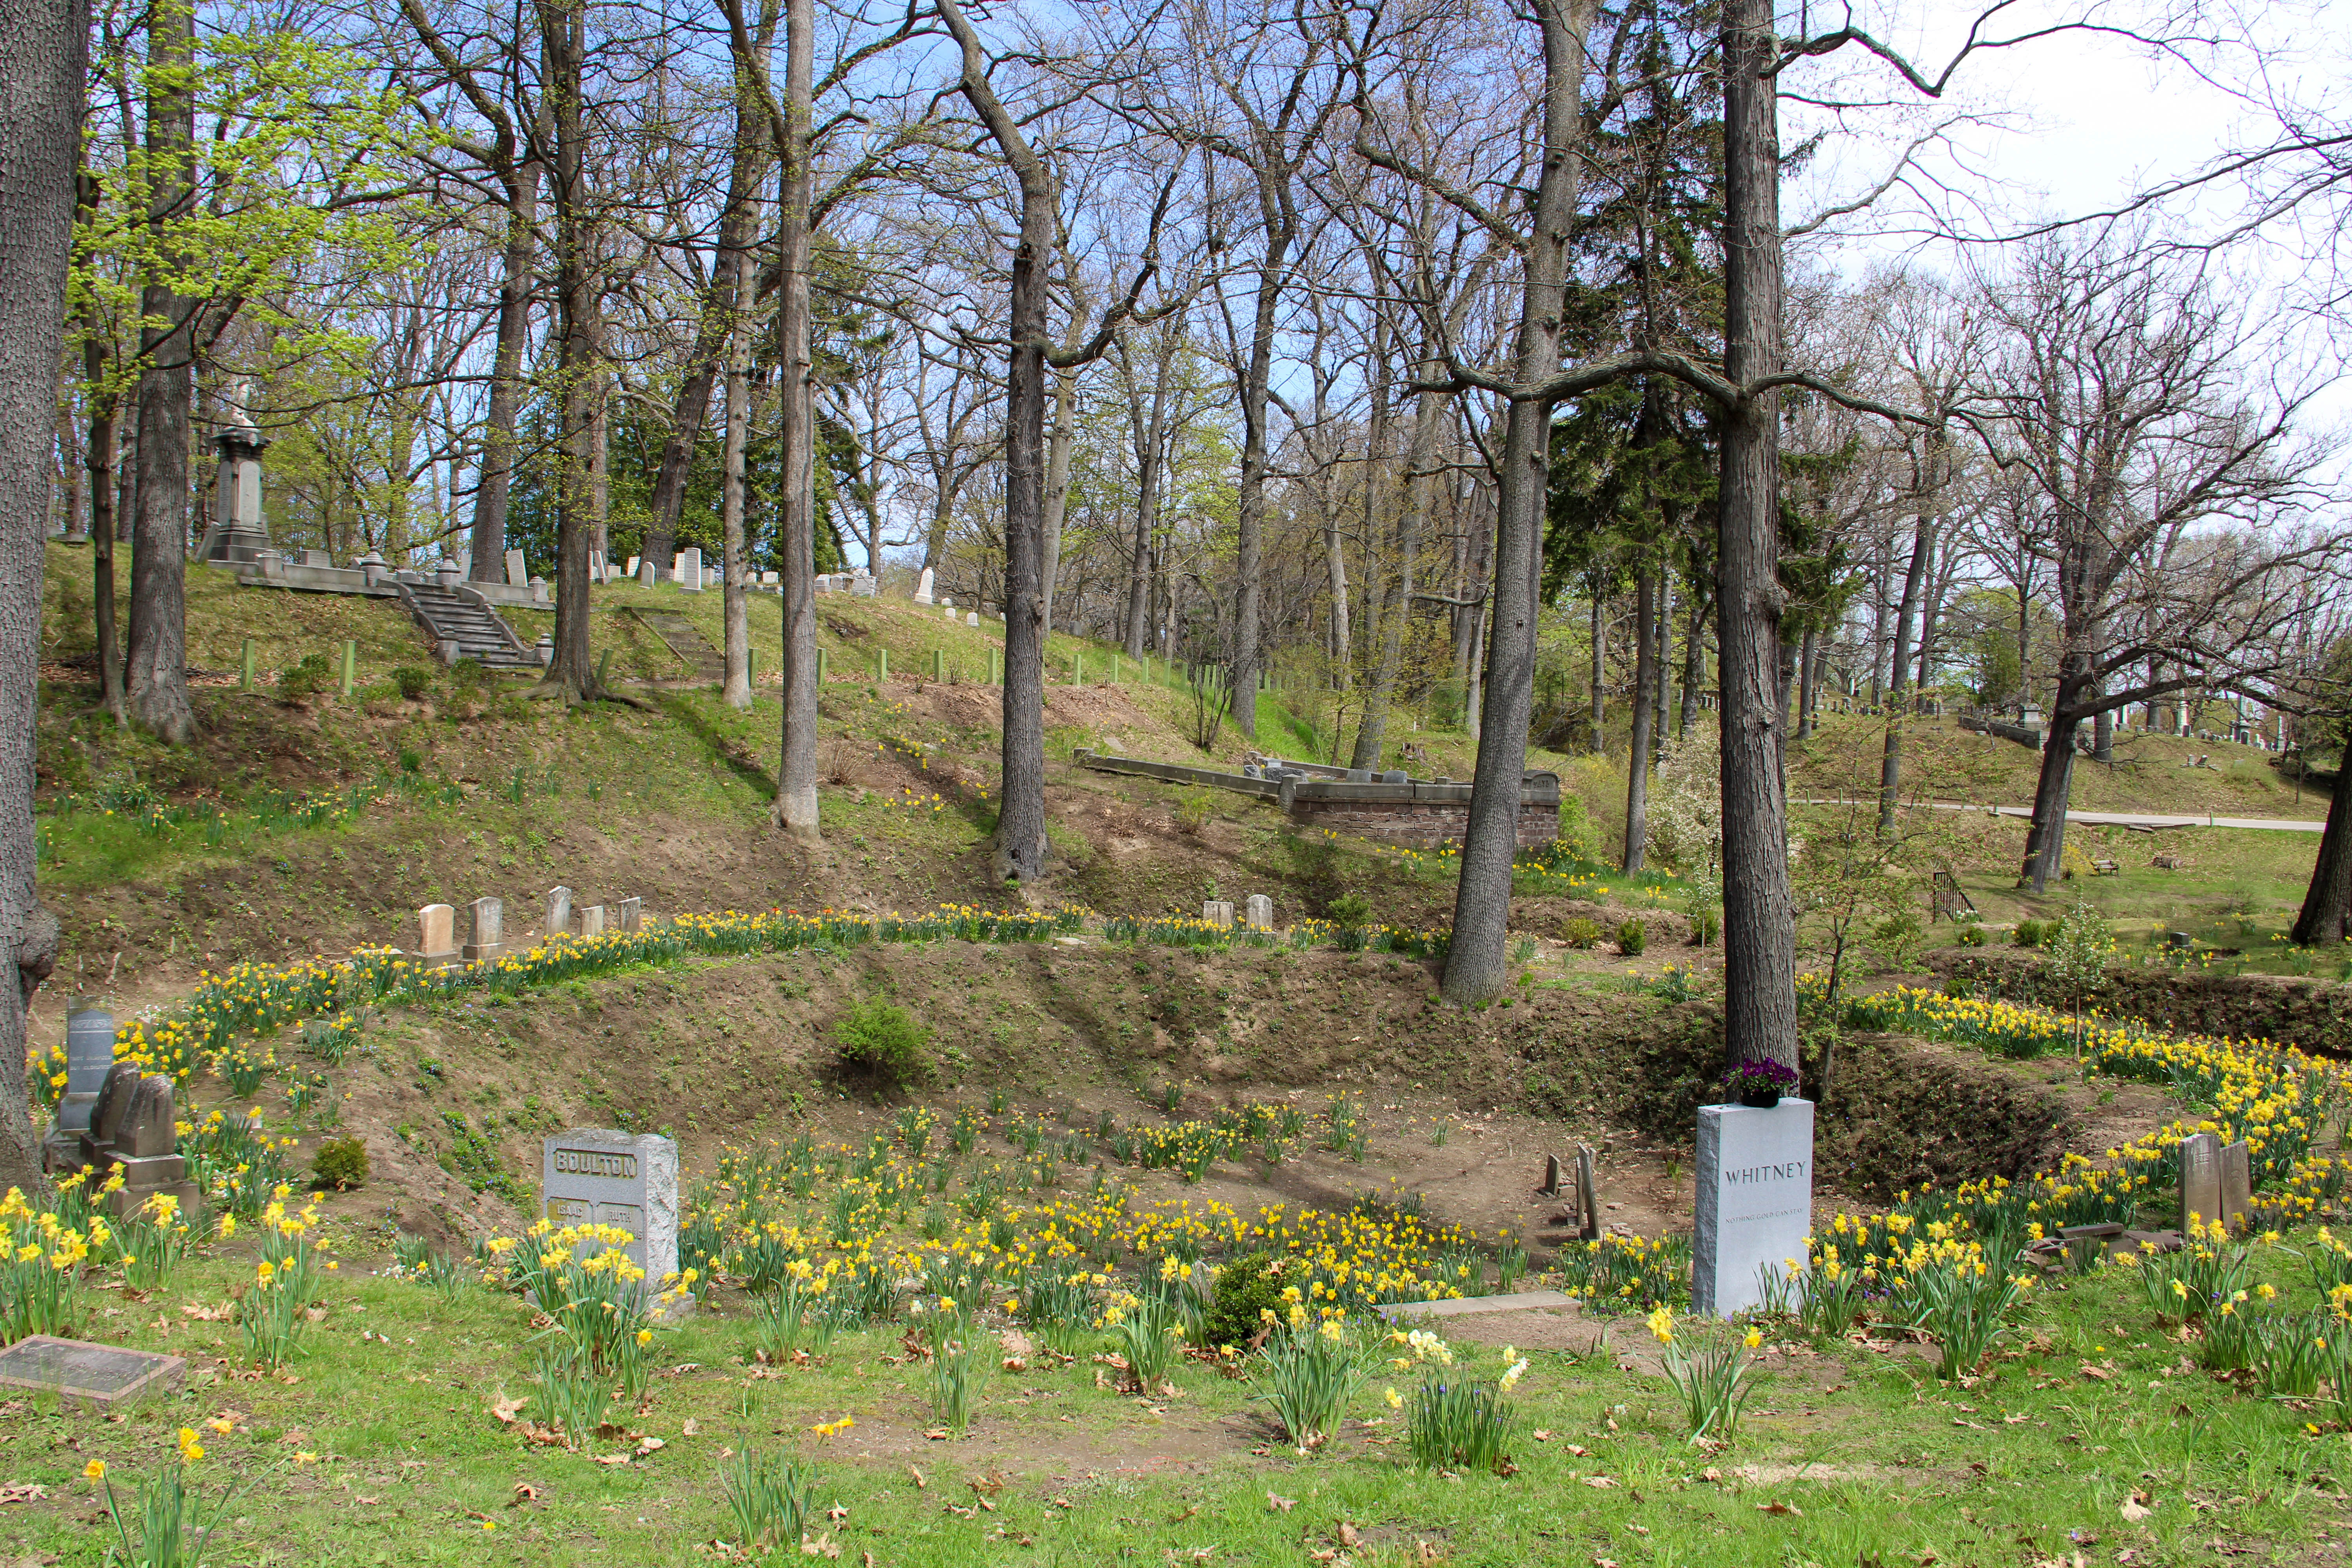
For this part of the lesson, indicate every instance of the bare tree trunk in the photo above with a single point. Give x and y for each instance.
(1372, 724)
(104, 397)
(796, 777)
(2045, 841)
(1664, 671)
(579, 378)
(1806, 694)
(1760, 908)
(1599, 619)
(1335, 571)
(2327, 903)
(157, 687)
(734, 612)
(1915, 585)
(42, 74)
(517, 280)
(1637, 761)
(1057, 484)
(1476, 963)
(1694, 662)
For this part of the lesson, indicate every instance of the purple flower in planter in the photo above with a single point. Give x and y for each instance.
(1759, 1074)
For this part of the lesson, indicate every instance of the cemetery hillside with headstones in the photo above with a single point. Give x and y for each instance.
(1174, 784)
(492, 1141)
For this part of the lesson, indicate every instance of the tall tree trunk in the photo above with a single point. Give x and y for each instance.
(1249, 503)
(157, 688)
(1057, 484)
(2327, 903)
(518, 278)
(1914, 586)
(1335, 572)
(734, 612)
(579, 378)
(1476, 963)
(42, 75)
(1662, 672)
(1760, 908)
(104, 395)
(1637, 761)
(1600, 639)
(1388, 621)
(1806, 670)
(1694, 660)
(2045, 841)
(1139, 590)
(796, 804)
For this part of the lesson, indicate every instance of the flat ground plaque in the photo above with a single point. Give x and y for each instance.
(104, 1374)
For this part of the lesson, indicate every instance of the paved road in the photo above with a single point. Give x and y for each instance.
(2119, 819)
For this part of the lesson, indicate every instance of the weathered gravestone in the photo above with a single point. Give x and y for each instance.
(648, 573)
(1755, 1200)
(1218, 912)
(518, 573)
(106, 1116)
(690, 569)
(2201, 1181)
(437, 935)
(559, 910)
(89, 1057)
(591, 920)
(1257, 912)
(76, 1369)
(134, 1130)
(923, 587)
(490, 931)
(2237, 1187)
(630, 914)
(593, 1175)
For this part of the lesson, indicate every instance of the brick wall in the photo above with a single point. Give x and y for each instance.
(1419, 823)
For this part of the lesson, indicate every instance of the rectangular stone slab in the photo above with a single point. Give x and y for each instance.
(2237, 1187)
(2200, 1180)
(1755, 1201)
(104, 1374)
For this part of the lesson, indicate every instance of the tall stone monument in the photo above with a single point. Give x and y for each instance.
(89, 1057)
(237, 533)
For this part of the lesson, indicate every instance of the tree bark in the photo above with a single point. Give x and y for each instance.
(1387, 631)
(796, 802)
(518, 278)
(104, 395)
(579, 378)
(42, 73)
(1806, 693)
(734, 613)
(1760, 908)
(1915, 584)
(157, 686)
(1476, 963)
(1637, 761)
(2327, 903)
(1600, 716)
(2045, 841)
(1057, 486)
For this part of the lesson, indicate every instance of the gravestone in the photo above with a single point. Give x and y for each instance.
(490, 931)
(559, 911)
(690, 569)
(971, 617)
(1394, 776)
(631, 569)
(2237, 1188)
(106, 1116)
(923, 587)
(1360, 775)
(1218, 912)
(629, 914)
(136, 1117)
(518, 571)
(437, 932)
(1754, 1203)
(591, 920)
(2200, 1180)
(90, 1057)
(593, 1175)
(76, 1369)
(1257, 913)
(648, 573)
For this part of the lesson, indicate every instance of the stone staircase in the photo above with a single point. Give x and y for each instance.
(462, 625)
(705, 665)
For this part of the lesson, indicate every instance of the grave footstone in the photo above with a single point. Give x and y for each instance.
(629, 914)
(489, 942)
(98, 1374)
(89, 1057)
(591, 920)
(1551, 1188)
(2201, 1181)
(1218, 912)
(1588, 1195)
(437, 933)
(1258, 909)
(594, 1176)
(1754, 1203)
(2237, 1188)
(559, 911)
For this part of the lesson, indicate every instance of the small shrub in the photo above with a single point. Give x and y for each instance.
(1632, 938)
(414, 682)
(304, 678)
(1971, 935)
(1581, 932)
(1247, 1288)
(340, 1163)
(1351, 911)
(882, 1040)
(1706, 924)
(2029, 934)
(1195, 814)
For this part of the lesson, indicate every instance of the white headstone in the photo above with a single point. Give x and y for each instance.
(923, 587)
(629, 914)
(489, 930)
(690, 569)
(2200, 1180)
(518, 575)
(633, 566)
(437, 931)
(591, 920)
(971, 617)
(1257, 913)
(1755, 1200)
(592, 1176)
(648, 573)
(559, 910)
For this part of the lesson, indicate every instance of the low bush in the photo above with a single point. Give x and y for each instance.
(1632, 938)
(2029, 934)
(1247, 1288)
(1351, 911)
(882, 1040)
(307, 678)
(412, 680)
(340, 1163)
(1706, 924)
(1580, 932)
(1971, 935)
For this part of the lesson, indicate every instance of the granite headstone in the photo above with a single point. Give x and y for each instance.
(594, 1176)
(1754, 1203)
